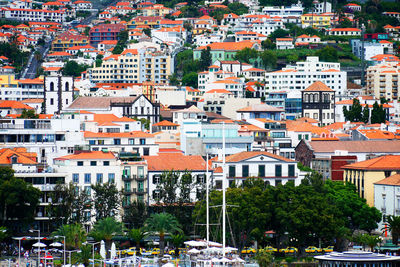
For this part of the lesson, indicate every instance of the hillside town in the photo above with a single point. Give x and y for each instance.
(199, 133)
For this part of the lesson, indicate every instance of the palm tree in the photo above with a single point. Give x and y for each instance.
(74, 234)
(161, 224)
(177, 240)
(84, 255)
(394, 228)
(137, 234)
(371, 241)
(105, 229)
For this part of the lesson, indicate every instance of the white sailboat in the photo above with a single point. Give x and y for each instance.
(214, 254)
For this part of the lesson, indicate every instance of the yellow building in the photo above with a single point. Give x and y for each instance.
(8, 81)
(156, 10)
(383, 80)
(144, 22)
(133, 66)
(315, 20)
(67, 40)
(364, 174)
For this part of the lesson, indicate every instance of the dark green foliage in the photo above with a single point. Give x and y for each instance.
(190, 79)
(365, 114)
(378, 114)
(394, 227)
(345, 23)
(82, 14)
(147, 31)
(246, 55)
(327, 54)
(18, 199)
(279, 33)
(29, 114)
(17, 58)
(311, 211)
(106, 200)
(355, 114)
(73, 69)
(122, 41)
(238, 8)
(205, 59)
(189, 11)
(218, 13)
(268, 44)
(268, 59)
(135, 214)
(185, 63)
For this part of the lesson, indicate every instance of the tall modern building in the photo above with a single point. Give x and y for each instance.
(383, 80)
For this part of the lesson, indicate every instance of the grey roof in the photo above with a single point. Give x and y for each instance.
(388, 146)
(98, 102)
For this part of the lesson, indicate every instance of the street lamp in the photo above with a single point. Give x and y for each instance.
(93, 244)
(32, 231)
(58, 236)
(19, 247)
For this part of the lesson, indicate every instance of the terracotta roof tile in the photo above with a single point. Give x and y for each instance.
(251, 154)
(391, 180)
(318, 86)
(176, 162)
(385, 146)
(387, 162)
(88, 155)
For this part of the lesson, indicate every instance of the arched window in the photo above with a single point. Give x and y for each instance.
(52, 86)
(67, 86)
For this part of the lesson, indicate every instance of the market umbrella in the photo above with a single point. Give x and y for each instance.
(56, 244)
(194, 251)
(39, 245)
(193, 243)
(102, 249)
(230, 249)
(113, 252)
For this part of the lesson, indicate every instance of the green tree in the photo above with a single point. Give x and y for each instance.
(137, 234)
(378, 114)
(370, 240)
(105, 229)
(279, 33)
(246, 55)
(177, 241)
(135, 214)
(162, 224)
(292, 58)
(106, 200)
(71, 68)
(238, 8)
(147, 31)
(268, 44)
(205, 58)
(345, 23)
(365, 114)
(355, 114)
(74, 234)
(264, 258)
(190, 79)
(29, 114)
(268, 59)
(394, 227)
(18, 199)
(328, 54)
(84, 255)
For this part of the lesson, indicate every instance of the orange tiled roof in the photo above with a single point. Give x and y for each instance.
(165, 123)
(318, 86)
(176, 162)
(233, 46)
(387, 162)
(12, 104)
(88, 155)
(251, 154)
(391, 180)
(134, 134)
(23, 157)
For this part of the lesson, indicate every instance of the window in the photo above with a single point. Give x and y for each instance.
(80, 163)
(156, 179)
(218, 184)
(232, 171)
(146, 151)
(106, 163)
(142, 141)
(93, 163)
(291, 170)
(299, 137)
(126, 126)
(88, 190)
(111, 178)
(75, 178)
(87, 178)
(261, 170)
(245, 170)
(156, 195)
(117, 141)
(278, 170)
(92, 142)
(99, 178)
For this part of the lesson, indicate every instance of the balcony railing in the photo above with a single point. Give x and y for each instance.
(126, 177)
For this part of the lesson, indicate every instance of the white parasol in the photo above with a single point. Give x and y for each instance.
(102, 249)
(113, 252)
(193, 243)
(194, 251)
(56, 244)
(39, 245)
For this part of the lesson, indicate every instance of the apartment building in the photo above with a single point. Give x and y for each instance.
(318, 103)
(33, 14)
(303, 74)
(87, 168)
(316, 20)
(383, 80)
(48, 138)
(371, 49)
(134, 182)
(344, 32)
(134, 66)
(68, 39)
(295, 10)
(13, 89)
(104, 32)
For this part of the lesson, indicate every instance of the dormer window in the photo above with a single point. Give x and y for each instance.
(14, 160)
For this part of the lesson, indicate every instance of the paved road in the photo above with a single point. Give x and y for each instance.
(33, 63)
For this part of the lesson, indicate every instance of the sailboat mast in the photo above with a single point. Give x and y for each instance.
(223, 191)
(207, 205)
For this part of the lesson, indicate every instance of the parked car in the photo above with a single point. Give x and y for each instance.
(247, 250)
(270, 249)
(288, 250)
(328, 249)
(312, 249)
